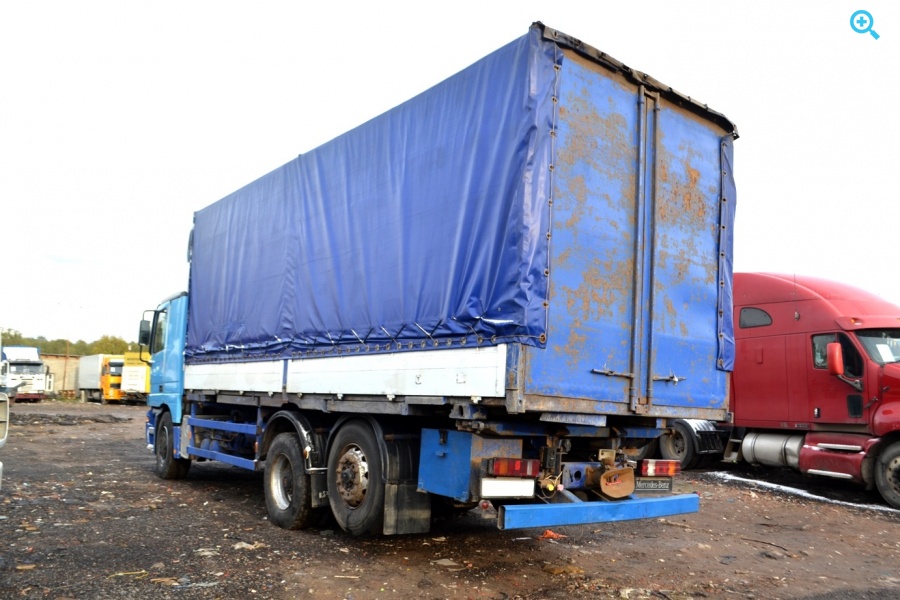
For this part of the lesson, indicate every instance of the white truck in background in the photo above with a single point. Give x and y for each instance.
(22, 373)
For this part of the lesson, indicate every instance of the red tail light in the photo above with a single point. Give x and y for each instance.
(660, 468)
(514, 467)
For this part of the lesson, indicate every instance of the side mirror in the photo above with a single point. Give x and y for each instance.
(144, 333)
(835, 359)
(836, 366)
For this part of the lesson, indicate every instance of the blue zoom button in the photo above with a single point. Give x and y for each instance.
(861, 21)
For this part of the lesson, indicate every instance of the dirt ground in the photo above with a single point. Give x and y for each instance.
(82, 516)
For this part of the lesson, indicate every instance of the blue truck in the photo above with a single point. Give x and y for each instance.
(493, 294)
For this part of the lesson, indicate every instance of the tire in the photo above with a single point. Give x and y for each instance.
(887, 474)
(679, 445)
(355, 488)
(648, 451)
(287, 485)
(167, 465)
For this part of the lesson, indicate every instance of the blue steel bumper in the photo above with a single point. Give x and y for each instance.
(521, 516)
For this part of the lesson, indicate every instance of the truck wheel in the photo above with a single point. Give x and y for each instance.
(355, 488)
(648, 451)
(287, 486)
(167, 465)
(679, 445)
(887, 474)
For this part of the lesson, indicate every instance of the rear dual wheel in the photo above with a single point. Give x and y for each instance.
(355, 486)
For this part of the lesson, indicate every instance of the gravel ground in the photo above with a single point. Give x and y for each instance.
(83, 516)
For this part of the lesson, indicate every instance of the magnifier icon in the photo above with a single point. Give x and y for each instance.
(861, 21)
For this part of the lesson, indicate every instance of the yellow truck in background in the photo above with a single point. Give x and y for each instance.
(135, 378)
(100, 377)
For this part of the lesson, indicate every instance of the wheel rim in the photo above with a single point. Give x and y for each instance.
(678, 445)
(162, 443)
(281, 483)
(675, 445)
(892, 474)
(353, 475)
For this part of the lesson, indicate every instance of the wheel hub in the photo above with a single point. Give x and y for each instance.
(353, 476)
(893, 474)
(283, 483)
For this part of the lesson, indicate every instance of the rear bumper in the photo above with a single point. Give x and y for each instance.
(580, 513)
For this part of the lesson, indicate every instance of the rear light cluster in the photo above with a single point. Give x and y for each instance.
(660, 468)
(513, 467)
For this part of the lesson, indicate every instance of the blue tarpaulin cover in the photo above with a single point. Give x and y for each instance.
(423, 227)
(430, 227)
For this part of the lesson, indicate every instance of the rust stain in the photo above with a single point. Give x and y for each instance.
(579, 190)
(603, 143)
(670, 307)
(562, 258)
(687, 215)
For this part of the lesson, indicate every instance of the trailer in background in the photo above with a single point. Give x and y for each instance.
(135, 378)
(100, 378)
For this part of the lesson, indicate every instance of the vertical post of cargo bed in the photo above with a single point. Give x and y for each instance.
(636, 326)
(642, 270)
(647, 380)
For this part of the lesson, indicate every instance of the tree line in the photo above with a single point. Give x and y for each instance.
(108, 344)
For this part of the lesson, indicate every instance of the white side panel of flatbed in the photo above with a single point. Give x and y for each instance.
(467, 372)
(262, 376)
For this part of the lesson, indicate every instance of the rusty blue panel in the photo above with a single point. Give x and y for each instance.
(450, 461)
(684, 344)
(591, 312)
(633, 321)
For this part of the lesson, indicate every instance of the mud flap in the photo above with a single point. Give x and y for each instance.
(405, 509)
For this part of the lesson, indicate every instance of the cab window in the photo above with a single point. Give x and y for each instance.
(159, 333)
(754, 317)
(852, 359)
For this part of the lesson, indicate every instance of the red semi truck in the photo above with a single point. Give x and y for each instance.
(815, 387)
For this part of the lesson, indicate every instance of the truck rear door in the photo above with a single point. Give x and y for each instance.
(640, 254)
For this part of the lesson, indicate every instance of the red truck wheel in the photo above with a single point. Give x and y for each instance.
(887, 474)
(355, 488)
(679, 445)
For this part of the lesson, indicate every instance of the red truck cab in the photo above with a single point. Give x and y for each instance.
(816, 384)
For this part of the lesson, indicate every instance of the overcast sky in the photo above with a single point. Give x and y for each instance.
(120, 119)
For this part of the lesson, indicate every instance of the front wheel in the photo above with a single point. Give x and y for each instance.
(287, 486)
(355, 488)
(679, 445)
(887, 474)
(167, 465)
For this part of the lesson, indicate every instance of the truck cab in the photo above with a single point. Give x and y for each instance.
(817, 379)
(22, 373)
